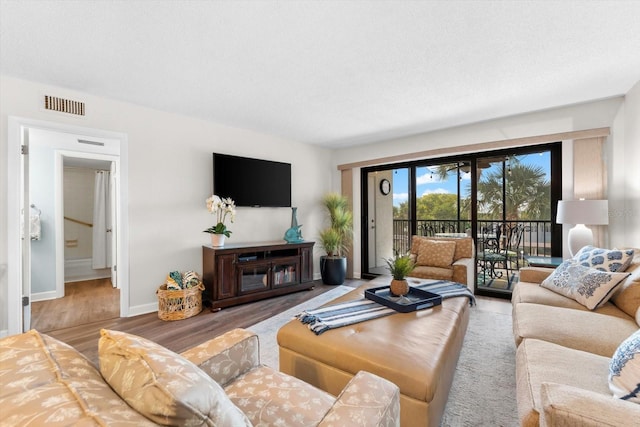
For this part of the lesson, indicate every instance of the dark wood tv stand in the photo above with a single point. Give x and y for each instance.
(245, 272)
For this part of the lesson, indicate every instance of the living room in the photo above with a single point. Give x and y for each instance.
(166, 154)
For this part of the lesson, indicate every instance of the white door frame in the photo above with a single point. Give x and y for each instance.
(16, 127)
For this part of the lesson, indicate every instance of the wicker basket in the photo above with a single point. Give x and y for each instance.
(179, 304)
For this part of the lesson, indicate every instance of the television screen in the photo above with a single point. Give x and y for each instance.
(252, 182)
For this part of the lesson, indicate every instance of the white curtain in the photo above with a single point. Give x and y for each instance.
(102, 221)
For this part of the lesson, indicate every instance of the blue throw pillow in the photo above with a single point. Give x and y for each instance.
(610, 260)
(624, 370)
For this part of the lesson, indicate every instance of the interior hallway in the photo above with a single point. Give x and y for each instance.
(84, 302)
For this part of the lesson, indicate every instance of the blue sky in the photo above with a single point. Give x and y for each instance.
(429, 183)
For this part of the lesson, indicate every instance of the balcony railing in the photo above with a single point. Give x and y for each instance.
(536, 239)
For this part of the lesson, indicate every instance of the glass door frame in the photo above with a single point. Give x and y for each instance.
(554, 148)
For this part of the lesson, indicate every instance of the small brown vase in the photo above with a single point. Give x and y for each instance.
(399, 288)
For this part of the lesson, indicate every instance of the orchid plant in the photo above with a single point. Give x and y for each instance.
(222, 208)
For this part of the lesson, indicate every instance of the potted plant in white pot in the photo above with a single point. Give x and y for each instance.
(335, 239)
(221, 208)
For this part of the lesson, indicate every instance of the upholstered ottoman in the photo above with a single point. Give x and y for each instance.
(417, 351)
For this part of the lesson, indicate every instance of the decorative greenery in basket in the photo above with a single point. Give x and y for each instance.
(186, 280)
(400, 267)
(181, 296)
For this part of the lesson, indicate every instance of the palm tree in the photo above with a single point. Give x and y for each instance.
(527, 193)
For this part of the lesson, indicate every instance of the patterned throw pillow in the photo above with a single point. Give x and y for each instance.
(162, 385)
(436, 253)
(624, 370)
(613, 260)
(588, 286)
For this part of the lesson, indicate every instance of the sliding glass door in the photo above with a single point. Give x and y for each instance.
(505, 200)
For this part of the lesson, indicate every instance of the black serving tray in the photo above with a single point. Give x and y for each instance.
(416, 299)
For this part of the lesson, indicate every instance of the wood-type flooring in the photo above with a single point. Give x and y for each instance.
(180, 335)
(83, 302)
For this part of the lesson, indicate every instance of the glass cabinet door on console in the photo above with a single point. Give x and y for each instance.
(285, 272)
(253, 277)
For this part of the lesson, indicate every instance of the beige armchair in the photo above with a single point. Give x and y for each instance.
(444, 258)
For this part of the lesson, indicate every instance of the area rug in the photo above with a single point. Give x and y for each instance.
(484, 385)
(268, 329)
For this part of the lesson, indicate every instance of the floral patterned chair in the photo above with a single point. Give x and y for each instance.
(218, 383)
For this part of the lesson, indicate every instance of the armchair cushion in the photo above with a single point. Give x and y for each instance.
(226, 357)
(539, 362)
(366, 400)
(563, 405)
(269, 397)
(436, 253)
(162, 385)
(588, 286)
(46, 382)
(627, 295)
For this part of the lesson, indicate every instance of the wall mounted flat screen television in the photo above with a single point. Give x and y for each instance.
(252, 182)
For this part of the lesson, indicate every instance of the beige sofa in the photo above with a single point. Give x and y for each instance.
(220, 382)
(435, 258)
(564, 350)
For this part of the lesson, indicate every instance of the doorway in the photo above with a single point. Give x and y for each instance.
(504, 199)
(88, 292)
(28, 140)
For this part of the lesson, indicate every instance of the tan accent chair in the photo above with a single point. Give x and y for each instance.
(47, 382)
(460, 269)
(564, 350)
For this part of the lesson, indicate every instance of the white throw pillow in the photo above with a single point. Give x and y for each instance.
(624, 370)
(612, 260)
(588, 286)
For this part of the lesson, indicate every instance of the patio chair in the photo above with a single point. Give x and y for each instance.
(501, 249)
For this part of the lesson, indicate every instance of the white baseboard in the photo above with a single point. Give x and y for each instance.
(44, 296)
(76, 270)
(143, 309)
(4, 333)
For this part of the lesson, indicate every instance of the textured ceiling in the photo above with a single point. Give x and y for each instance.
(334, 73)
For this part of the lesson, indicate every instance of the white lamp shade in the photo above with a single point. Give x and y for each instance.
(580, 212)
(593, 212)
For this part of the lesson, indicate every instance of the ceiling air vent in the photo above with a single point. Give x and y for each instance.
(63, 105)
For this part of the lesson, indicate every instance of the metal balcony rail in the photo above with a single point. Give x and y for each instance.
(536, 239)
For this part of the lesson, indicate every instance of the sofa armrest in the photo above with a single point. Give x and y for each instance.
(227, 356)
(563, 405)
(366, 400)
(463, 271)
(534, 274)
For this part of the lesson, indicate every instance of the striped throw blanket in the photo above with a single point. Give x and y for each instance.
(346, 313)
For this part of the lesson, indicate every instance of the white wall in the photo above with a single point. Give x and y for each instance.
(78, 204)
(624, 174)
(578, 117)
(170, 176)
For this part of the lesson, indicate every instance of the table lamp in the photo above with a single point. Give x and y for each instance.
(581, 212)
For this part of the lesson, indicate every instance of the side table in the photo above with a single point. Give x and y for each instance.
(544, 261)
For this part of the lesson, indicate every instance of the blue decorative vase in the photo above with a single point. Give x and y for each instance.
(293, 234)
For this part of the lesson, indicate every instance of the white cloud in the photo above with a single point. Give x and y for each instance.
(400, 197)
(428, 177)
